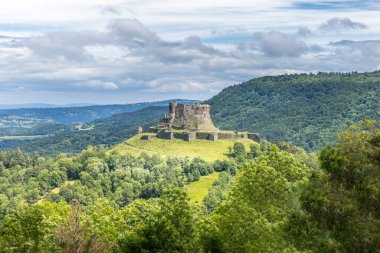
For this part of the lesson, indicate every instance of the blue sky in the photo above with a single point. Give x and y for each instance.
(95, 51)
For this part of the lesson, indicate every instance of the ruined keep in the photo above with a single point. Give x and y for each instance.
(194, 117)
(190, 122)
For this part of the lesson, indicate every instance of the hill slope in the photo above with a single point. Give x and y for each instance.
(306, 110)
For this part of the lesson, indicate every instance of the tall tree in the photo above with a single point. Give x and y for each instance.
(343, 200)
(167, 226)
(264, 196)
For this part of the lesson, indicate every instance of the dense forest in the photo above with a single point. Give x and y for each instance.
(308, 110)
(270, 198)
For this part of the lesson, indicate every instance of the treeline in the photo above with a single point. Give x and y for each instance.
(280, 200)
(308, 110)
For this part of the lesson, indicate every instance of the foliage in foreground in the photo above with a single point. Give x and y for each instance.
(165, 224)
(278, 202)
(341, 205)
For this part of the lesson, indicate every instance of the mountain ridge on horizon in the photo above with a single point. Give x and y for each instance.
(76, 105)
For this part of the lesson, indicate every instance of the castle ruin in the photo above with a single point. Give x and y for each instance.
(190, 122)
(191, 117)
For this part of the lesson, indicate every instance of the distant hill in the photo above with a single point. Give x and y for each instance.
(80, 114)
(106, 132)
(307, 110)
(49, 131)
(39, 105)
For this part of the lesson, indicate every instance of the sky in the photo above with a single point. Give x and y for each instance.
(112, 52)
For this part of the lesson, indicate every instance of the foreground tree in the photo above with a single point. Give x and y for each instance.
(31, 228)
(342, 202)
(264, 197)
(166, 225)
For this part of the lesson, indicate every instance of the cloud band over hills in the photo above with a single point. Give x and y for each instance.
(124, 59)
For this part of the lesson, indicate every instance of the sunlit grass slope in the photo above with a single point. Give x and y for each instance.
(207, 150)
(198, 190)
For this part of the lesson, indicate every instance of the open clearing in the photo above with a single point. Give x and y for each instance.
(198, 190)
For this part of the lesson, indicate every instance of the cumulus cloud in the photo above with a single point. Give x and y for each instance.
(341, 24)
(137, 55)
(132, 33)
(65, 45)
(73, 48)
(108, 9)
(277, 44)
(304, 31)
(129, 58)
(367, 49)
(128, 34)
(100, 85)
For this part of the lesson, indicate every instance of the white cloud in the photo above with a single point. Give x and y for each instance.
(167, 48)
(341, 24)
(304, 31)
(277, 44)
(368, 49)
(99, 85)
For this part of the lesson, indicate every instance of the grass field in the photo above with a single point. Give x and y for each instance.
(198, 190)
(208, 150)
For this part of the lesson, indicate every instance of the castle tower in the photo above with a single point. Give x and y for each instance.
(172, 110)
(196, 117)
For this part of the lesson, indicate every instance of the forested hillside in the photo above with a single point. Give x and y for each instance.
(307, 110)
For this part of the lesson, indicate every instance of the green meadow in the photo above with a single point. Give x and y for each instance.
(210, 151)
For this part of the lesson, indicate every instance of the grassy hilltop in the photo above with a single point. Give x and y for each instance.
(208, 150)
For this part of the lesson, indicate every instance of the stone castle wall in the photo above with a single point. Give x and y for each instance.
(195, 121)
(202, 135)
(190, 136)
(163, 134)
(226, 136)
